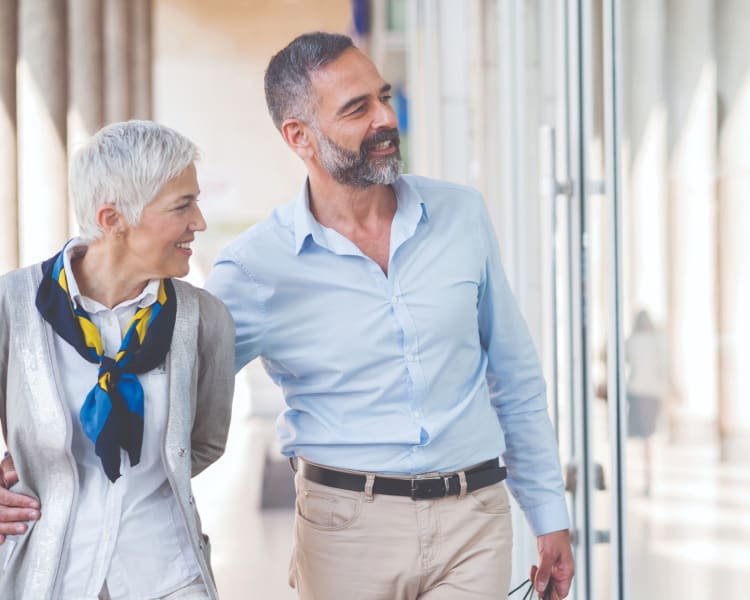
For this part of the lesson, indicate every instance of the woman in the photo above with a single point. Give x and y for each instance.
(116, 383)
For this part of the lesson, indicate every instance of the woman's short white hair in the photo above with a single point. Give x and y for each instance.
(125, 164)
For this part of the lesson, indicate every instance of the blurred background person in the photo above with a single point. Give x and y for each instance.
(646, 355)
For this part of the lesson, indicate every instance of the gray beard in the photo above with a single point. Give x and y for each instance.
(357, 169)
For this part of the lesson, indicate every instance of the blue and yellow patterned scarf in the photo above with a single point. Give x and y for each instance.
(112, 414)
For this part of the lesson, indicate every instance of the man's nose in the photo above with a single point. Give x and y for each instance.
(385, 117)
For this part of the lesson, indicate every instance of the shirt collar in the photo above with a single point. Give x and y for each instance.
(305, 225)
(77, 247)
(411, 206)
(410, 212)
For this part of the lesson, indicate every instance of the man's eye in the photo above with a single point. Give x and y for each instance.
(386, 98)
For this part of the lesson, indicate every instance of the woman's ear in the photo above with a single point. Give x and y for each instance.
(110, 221)
(297, 136)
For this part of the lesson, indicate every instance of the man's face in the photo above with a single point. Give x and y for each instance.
(355, 128)
(366, 167)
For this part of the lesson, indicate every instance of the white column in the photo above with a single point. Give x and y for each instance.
(141, 90)
(86, 72)
(86, 68)
(733, 21)
(8, 163)
(645, 160)
(118, 71)
(42, 108)
(691, 80)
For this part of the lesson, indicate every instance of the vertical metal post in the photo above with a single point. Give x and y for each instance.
(615, 363)
(580, 107)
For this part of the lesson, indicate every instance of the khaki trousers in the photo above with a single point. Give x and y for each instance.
(351, 547)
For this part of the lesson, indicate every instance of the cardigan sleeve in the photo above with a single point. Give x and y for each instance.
(215, 382)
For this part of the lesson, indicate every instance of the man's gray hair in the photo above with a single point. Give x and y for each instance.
(287, 80)
(125, 164)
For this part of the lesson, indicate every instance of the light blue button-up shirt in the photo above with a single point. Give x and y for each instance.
(429, 368)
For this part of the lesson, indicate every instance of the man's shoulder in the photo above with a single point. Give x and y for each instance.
(435, 190)
(273, 233)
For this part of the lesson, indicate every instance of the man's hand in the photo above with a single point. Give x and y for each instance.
(555, 566)
(14, 508)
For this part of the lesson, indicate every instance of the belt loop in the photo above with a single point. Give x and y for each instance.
(464, 488)
(293, 463)
(369, 484)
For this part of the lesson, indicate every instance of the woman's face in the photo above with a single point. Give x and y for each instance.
(159, 246)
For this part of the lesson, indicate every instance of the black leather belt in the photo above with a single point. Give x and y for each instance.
(421, 487)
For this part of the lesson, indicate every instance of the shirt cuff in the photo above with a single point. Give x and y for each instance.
(548, 517)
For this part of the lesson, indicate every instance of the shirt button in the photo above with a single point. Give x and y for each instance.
(413, 448)
(394, 300)
(418, 414)
(410, 357)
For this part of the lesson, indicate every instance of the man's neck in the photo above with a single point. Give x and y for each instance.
(345, 208)
(363, 215)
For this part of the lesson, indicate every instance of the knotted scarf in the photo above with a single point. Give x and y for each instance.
(112, 414)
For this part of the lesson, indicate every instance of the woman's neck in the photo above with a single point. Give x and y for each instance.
(102, 275)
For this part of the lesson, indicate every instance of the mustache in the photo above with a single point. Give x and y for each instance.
(386, 135)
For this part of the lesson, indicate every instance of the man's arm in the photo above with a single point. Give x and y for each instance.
(517, 391)
(15, 509)
(234, 286)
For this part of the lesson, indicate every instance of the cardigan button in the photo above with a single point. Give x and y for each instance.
(181, 451)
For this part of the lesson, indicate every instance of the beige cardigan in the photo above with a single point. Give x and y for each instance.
(37, 426)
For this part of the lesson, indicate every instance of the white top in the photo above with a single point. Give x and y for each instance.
(130, 532)
(647, 355)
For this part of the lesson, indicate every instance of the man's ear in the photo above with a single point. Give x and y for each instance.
(298, 137)
(110, 221)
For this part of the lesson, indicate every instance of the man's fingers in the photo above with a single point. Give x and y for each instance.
(13, 528)
(15, 516)
(10, 478)
(7, 463)
(542, 575)
(10, 499)
(532, 573)
(562, 587)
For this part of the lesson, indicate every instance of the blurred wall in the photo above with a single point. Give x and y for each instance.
(209, 60)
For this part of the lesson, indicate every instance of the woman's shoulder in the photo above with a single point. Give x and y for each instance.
(20, 281)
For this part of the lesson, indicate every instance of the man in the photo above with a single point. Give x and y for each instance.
(378, 303)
